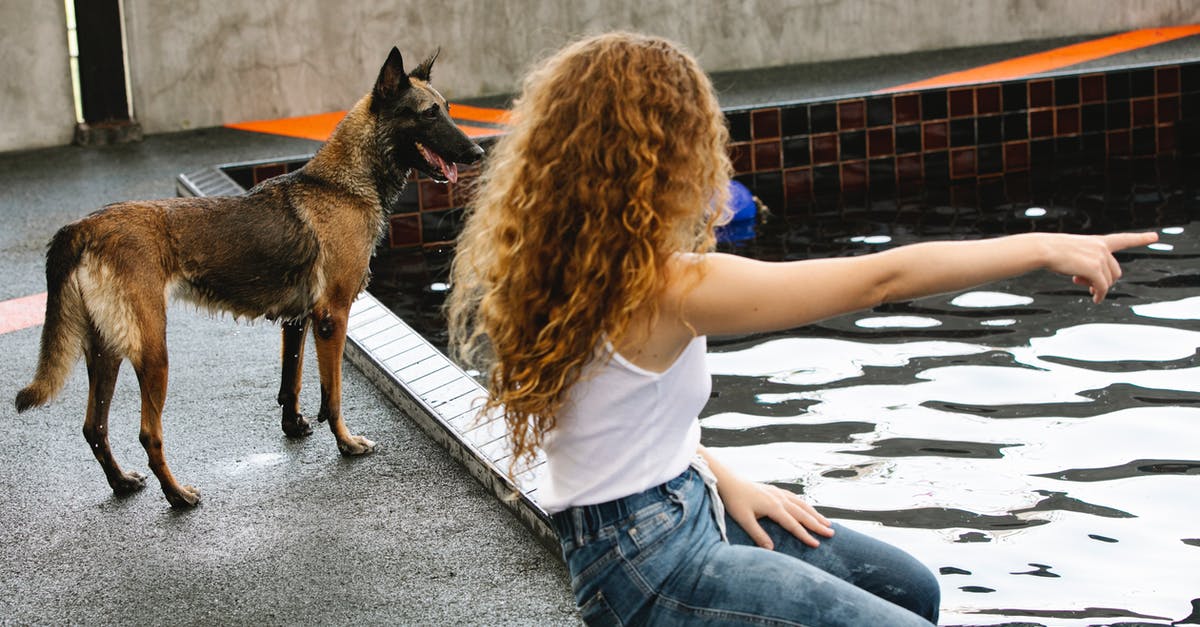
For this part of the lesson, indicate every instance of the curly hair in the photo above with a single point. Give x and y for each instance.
(617, 159)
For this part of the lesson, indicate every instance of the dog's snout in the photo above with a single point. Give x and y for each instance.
(473, 154)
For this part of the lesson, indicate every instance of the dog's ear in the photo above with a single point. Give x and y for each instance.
(392, 79)
(422, 71)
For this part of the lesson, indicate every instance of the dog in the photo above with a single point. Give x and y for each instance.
(293, 249)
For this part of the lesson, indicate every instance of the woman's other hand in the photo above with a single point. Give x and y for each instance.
(747, 501)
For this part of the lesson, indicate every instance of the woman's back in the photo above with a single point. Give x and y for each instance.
(617, 163)
(624, 428)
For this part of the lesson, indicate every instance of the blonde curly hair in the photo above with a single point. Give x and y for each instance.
(616, 160)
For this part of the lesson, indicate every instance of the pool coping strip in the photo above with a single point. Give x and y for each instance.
(434, 398)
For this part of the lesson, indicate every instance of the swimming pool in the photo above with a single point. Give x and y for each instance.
(1040, 452)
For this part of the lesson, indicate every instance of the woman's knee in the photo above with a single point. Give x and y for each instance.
(889, 572)
(866, 562)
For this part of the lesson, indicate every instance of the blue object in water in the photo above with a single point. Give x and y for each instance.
(743, 210)
(741, 202)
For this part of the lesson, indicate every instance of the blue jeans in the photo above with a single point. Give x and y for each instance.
(657, 558)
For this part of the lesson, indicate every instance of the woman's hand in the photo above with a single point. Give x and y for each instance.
(747, 501)
(1089, 260)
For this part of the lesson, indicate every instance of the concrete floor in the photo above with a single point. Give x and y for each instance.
(289, 532)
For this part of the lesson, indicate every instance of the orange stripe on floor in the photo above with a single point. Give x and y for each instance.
(477, 132)
(479, 114)
(316, 127)
(1054, 59)
(320, 126)
(22, 313)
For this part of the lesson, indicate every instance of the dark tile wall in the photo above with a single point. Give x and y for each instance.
(793, 155)
(966, 140)
(251, 174)
(429, 213)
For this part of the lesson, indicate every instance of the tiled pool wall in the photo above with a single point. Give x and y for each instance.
(965, 139)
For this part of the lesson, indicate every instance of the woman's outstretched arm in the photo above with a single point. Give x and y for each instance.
(739, 295)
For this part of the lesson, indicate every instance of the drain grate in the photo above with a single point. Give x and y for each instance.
(210, 181)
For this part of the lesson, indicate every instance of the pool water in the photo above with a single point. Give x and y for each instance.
(1040, 452)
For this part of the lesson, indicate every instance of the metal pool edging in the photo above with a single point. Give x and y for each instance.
(443, 401)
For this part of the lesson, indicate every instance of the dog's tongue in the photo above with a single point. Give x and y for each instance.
(449, 170)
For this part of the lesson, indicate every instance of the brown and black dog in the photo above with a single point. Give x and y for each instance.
(295, 248)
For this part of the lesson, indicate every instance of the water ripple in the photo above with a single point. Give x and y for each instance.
(934, 518)
(1084, 614)
(1185, 309)
(918, 447)
(1059, 501)
(1118, 342)
(1104, 400)
(1135, 468)
(979, 299)
(833, 432)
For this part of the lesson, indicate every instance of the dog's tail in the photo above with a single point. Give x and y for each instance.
(66, 320)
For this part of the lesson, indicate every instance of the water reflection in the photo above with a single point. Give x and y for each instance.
(979, 299)
(897, 322)
(1183, 309)
(1040, 452)
(1010, 474)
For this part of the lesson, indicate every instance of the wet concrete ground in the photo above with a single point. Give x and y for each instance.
(289, 532)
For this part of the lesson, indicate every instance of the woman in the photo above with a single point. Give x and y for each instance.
(584, 287)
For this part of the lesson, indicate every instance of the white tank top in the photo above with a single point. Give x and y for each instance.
(624, 429)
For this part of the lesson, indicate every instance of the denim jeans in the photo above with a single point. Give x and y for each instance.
(657, 558)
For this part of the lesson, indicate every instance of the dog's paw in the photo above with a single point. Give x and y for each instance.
(128, 483)
(296, 426)
(186, 497)
(355, 445)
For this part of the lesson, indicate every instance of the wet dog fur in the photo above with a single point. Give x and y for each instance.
(295, 249)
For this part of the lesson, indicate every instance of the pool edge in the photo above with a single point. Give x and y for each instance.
(471, 444)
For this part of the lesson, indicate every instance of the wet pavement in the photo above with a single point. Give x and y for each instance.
(289, 532)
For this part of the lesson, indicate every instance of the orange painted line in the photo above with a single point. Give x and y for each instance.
(320, 126)
(22, 313)
(479, 131)
(1053, 59)
(316, 127)
(479, 114)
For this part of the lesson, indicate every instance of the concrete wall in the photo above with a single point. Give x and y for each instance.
(196, 63)
(36, 105)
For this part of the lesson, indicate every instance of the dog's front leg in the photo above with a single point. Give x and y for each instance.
(329, 331)
(295, 425)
